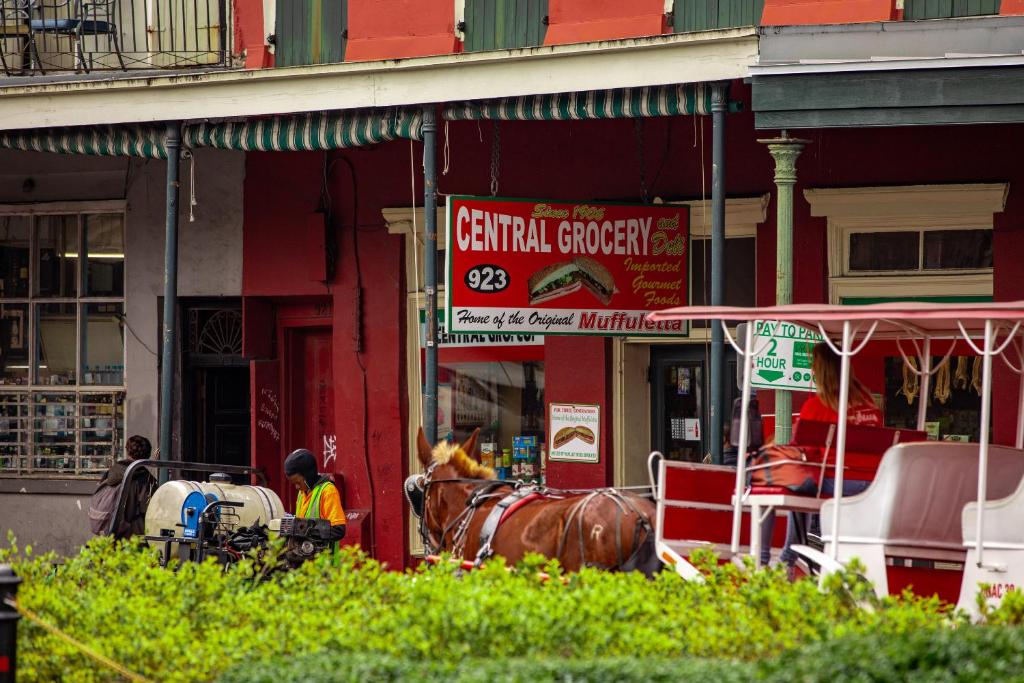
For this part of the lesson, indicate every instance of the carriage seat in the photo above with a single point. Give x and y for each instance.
(865, 447)
(919, 493)
(1001, 567)
(1003, 515)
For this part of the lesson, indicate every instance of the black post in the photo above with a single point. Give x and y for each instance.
(430, 271)
(719, 106)
(173, 146)
(8, 624)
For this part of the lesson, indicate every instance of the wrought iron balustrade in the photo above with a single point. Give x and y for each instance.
(46, 36)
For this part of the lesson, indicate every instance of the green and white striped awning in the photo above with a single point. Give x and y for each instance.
(136, 141)
(665, 100)
(316, 131)
(309, 132)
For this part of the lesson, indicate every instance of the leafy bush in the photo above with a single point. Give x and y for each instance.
(970, 654)
(195, 623)
(352, 668)
(973, 654)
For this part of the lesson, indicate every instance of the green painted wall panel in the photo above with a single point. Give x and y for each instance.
(504, 24)
(310, 32)
(704, 15)
(946, 9)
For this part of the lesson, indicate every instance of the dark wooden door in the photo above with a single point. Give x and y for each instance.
(309, 377)
(225, 436)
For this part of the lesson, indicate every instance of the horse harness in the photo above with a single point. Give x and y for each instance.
(417, 487)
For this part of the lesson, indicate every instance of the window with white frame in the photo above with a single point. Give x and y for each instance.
(910, 242)
(61, 339)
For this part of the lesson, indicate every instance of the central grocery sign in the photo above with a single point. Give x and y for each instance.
(525, 266)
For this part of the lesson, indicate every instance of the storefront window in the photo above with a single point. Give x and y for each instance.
(920, 250)
(889, 250)
(957, 249)
(104, 239)
(14, 343)
(504, 399)
(61, 343)
(55, 347)
(954, 401)
(57, 256)
(14, 250)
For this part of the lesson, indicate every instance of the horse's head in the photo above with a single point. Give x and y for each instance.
(435, 494)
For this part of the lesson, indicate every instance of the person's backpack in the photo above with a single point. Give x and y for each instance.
(101, 508)
(755, 439)
(786, 466)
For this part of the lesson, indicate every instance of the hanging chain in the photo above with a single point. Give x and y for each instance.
(447, 151)
(495, 158)
(638, 129)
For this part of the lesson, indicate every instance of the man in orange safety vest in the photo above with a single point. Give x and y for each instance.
(318, 497)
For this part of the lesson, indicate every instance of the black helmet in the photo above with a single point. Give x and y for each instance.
(301, 461)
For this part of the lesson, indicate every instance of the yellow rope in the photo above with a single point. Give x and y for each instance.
(976, 375)
(942, 384)
(961, 380)
(106, 661)
(911, 382)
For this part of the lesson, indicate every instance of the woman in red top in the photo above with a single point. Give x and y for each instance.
(823, 407)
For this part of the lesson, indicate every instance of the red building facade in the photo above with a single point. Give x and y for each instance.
(583, 160)
(330, 283)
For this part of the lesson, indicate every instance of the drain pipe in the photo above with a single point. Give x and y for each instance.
(173, 146)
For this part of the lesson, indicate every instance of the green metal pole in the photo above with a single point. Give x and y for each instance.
(785, 151)
(719, 107)
(170, 293)
(430, 271)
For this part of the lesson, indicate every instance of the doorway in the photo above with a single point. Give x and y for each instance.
(680, 398)
(223, 415)
(215, 385)
(310, 394)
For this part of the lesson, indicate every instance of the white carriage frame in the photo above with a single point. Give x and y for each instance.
(920, 323)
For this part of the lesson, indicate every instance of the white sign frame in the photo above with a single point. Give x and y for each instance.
(778, 367)
(568, 416)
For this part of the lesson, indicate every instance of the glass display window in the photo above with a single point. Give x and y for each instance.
(62, 341)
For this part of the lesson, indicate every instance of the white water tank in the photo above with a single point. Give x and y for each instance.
(259, 504)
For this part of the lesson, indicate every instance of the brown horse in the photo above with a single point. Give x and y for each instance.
(456, 495)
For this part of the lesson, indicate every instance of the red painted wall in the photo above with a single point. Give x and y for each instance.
(1007, 248)
(1011, 7)
(281, 190)
(577, 370)
(581, 21)
(397, 29)
(798, 12)
(250, 36)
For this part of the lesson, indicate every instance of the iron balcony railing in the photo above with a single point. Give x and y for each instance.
(45, 36)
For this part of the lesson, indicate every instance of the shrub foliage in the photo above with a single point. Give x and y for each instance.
(198, 622)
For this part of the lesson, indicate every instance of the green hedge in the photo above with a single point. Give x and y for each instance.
(196, 623)
(971, 654)
(967, 655)
(352, 668)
